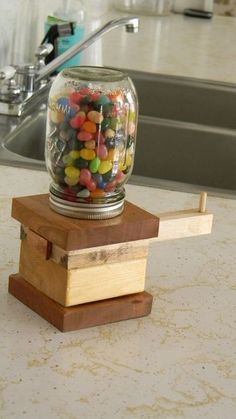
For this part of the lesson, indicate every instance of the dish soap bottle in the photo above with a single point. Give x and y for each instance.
(69, 20)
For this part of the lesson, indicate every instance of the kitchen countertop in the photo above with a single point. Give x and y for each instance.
(179, 362)
(173, 45)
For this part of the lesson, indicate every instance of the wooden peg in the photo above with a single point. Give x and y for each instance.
(185, 223)
(202, 202)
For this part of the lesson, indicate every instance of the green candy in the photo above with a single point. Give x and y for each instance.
(94, 165)
(102, 101)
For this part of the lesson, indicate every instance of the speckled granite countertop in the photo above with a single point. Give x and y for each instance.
(179, 362)
(174, 45)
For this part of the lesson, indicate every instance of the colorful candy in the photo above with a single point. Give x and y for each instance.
(92, 141)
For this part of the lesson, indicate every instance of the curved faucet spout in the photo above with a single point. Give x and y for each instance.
(131, 24)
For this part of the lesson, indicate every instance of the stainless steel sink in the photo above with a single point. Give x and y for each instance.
(186, 135)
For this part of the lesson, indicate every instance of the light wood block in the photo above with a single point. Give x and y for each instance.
(84, 284)
(81, 316)
(185, 223)
(73, 234)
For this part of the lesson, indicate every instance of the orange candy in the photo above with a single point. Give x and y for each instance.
(97, 193)
(89, 126)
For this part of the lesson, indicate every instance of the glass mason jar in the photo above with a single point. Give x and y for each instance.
(90, 141)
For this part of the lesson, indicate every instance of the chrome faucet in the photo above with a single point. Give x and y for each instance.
(23, 86)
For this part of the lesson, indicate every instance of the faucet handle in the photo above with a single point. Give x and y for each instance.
(41, 53)
(7, 72)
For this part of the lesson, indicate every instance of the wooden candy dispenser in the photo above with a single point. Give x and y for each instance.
(81, 273)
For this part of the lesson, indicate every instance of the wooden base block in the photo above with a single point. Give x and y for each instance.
(81, 316)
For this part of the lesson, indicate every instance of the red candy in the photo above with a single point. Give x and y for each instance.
(78, 120)
(102, 152)
(91, 185)
(75, 98)
(84, 136)
(85, 176)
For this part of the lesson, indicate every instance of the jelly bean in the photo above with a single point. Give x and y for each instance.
(90, 144)
(75, 144)
(84, 90)
(71, 181)
(95, 96)
(102, 151)
(103, 100)
(98, 178)
(109, 176)
(129, 159)
(122, 166)
(97, 193)
(111, 186)
(78, 120)
(75, 97)
(91, 185)
(84, 136)
(72, 172)
(109, 133)
(105, 124)
(87, 154)
(56, 117)
(108, 110)
(81, 163)
(95, 117)
(74, 154)
(67, 160)
(102, 184)
(85, 176)
(94, 165)
(84, 193)
(120, 177)
(105, 166)
(86, 100)
(99, 138)
(62, 102)
(89, 126)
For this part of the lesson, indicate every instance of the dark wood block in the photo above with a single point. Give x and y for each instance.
(72, 234)
(84, 315)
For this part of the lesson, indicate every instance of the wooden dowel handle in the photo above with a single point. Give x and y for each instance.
(202, 202)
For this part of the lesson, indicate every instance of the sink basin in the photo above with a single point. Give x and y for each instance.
(186, 135)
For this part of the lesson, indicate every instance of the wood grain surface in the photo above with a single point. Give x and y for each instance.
(80, 316)
(73, 234)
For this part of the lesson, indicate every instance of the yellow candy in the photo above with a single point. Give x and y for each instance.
(90, 144)
(128, 160)
(87, 154)
(109, 133)
(71, 181)
(72, 172)
(95, 116)
(74, 154)
(104, 167)
(122, 166)
(56, 117)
